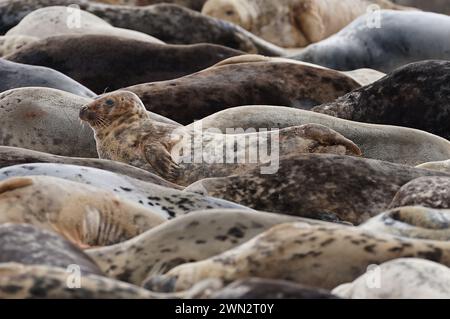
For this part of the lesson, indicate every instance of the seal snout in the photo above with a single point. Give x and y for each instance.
(85, 114)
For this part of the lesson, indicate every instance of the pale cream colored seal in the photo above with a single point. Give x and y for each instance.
(318, 256)
(293, 23)
(403, 278)
(85, 215)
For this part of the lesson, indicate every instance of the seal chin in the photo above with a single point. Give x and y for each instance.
(164, 284)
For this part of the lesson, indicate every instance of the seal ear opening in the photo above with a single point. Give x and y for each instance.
(15, 183)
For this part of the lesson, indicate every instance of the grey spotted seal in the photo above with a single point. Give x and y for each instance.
(224, 86)
(318, 256)
(45, 119)
(10, 156)
(396, 43)
(416, 95)
(383, 142)
(16, 75)
(125, 133)
(170, 23)
(293, 23)
(122, 62)
(192, 237)
(332, 187)
(85, 215)
(443, 166)
(167, 202)
(9, 44)
(31, 245)
(58, 20)
(431, 192)
(413, 222)
(19, 281)
(403, 278)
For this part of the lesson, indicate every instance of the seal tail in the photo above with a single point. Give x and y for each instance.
(15, 183)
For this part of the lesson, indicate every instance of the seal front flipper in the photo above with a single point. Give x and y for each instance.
(309, 22)
(161, 161)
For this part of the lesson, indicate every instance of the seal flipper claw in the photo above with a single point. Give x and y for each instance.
(161, 160)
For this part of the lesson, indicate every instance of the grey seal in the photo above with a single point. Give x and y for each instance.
(397, 42)
(16, 75)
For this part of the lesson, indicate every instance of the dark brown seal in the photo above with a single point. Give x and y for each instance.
(416, 95)
(273, 83)
(106, 63)
(191, 4)
(319, 186)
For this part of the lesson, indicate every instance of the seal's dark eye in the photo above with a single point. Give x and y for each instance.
(109, 102)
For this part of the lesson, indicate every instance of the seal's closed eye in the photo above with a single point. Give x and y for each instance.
(109, 102)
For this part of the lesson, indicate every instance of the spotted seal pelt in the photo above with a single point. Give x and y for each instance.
(124, 62)
(221, 87)
(260, 288)
(10, 156)
(17, 75)
(85, 215)
(52, 21)
(125, 133)
(403, 278)
(431, 192)
(45, 119)
(362, 76)
(317, 256)
(168, 203)
(9, 44)
(293, 23)
(19, 281)
(413, 222)
(396, 43)
(387, 143)
(442, 166)
(193, 237)
(416, 95)
(31, 245)
(167, 22)
(332, 187)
